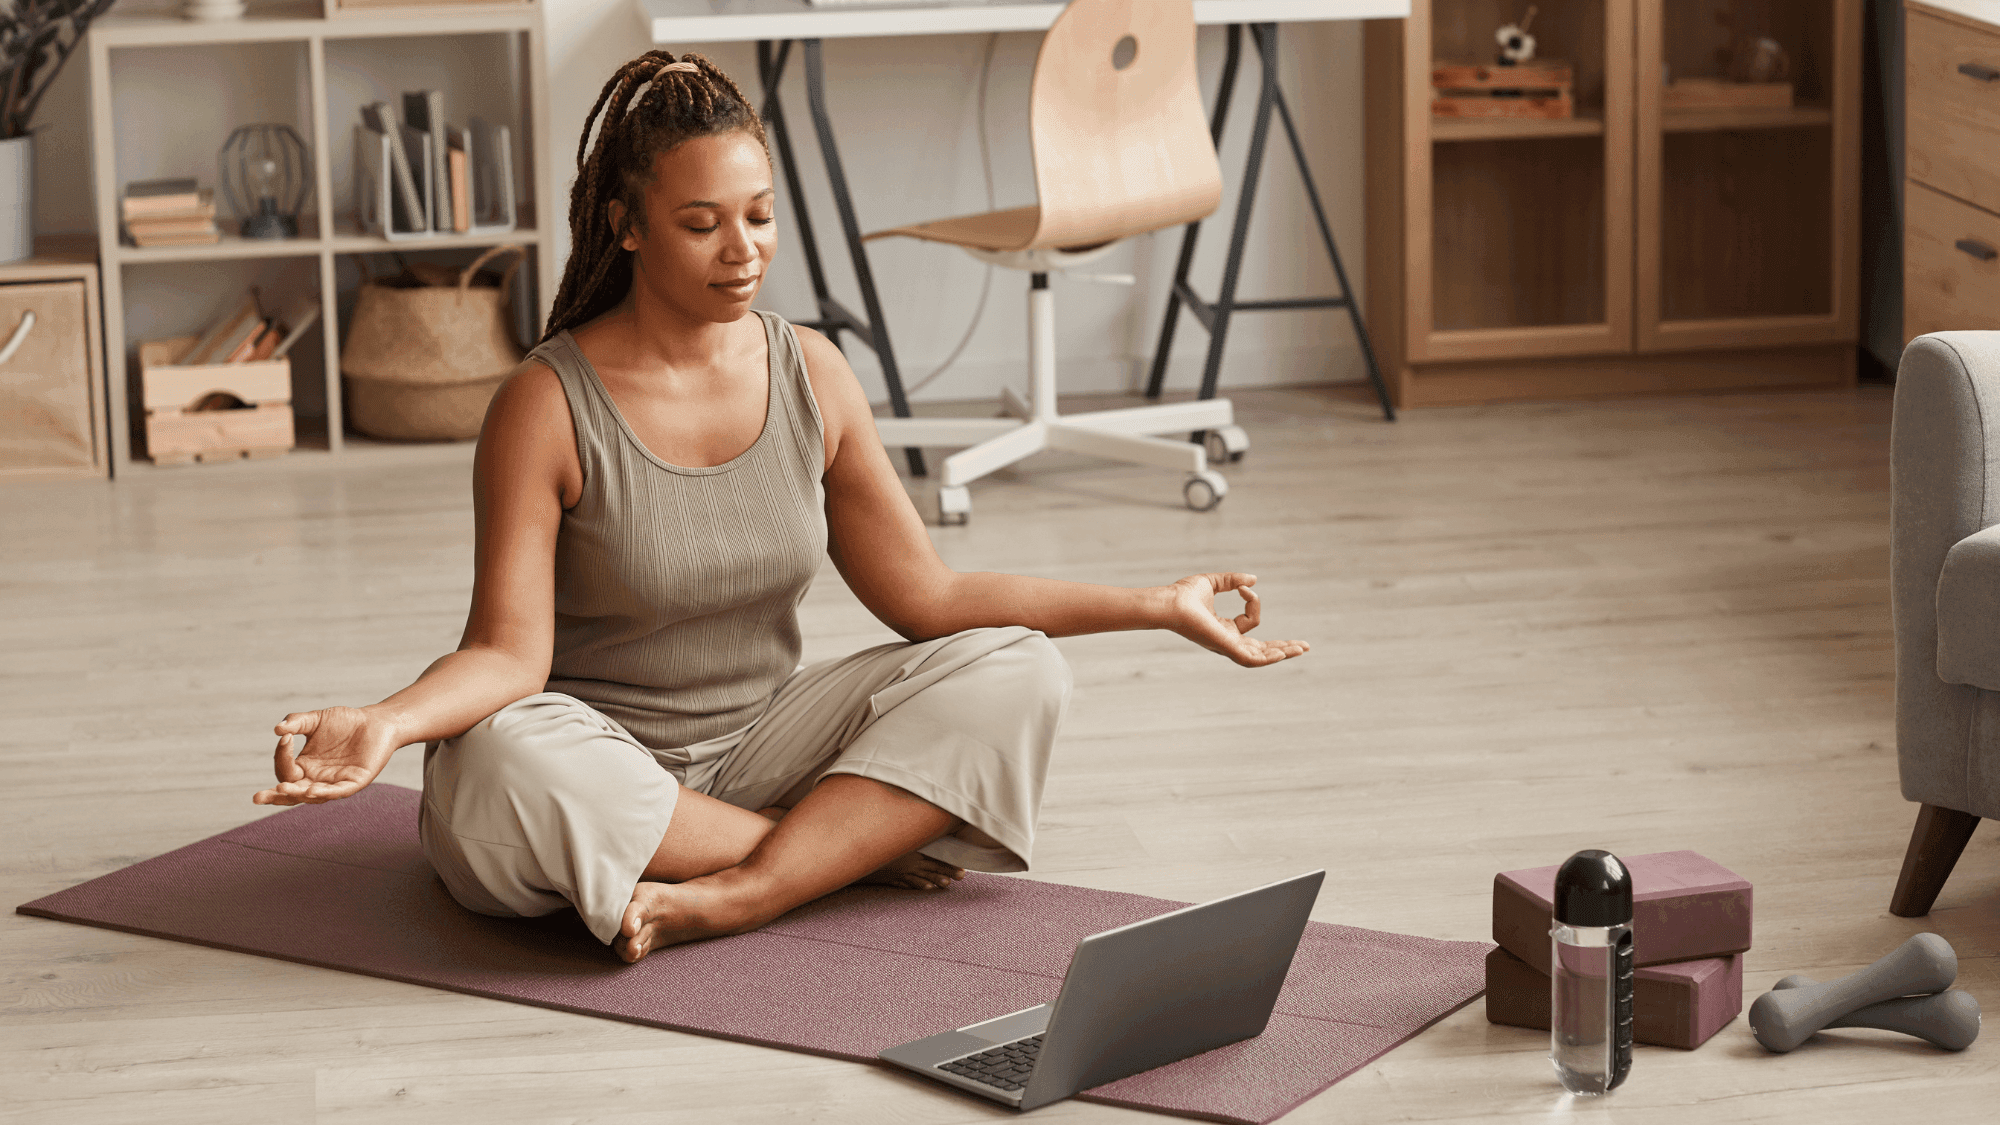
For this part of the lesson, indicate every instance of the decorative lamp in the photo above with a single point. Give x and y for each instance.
(265, 174)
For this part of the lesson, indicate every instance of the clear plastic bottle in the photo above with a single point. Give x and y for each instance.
(1590, 973)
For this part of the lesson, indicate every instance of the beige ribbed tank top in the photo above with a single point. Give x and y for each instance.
(677, 588)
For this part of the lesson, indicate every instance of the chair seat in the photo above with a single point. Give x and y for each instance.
(1968, 602)
(997, 232)
(1011, 229)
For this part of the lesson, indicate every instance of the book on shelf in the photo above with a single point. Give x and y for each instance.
(458, 163)
(169, 228)
(226, 335)
(157, 197)
(490, 156)
(201, 237)
(423, 110)
(408, 212)
(246, 347)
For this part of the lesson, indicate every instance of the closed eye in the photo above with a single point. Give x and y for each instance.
(713, 227)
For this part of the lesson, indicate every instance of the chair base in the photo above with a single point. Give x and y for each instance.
(1032, 425)
(1935, 844)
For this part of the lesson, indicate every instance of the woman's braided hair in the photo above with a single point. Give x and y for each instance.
(683, 99)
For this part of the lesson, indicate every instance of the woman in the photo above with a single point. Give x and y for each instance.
(624, 727)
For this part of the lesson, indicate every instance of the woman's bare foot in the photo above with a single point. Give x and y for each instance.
(915, 872)
(662, 914)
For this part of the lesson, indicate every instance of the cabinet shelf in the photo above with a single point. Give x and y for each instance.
(1446, 129)
(347, 239)
(1634, 247)
(1743, 117)
(300, 23)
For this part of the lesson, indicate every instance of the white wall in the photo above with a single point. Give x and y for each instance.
(905, 111)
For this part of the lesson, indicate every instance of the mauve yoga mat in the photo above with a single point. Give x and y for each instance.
(345, 886)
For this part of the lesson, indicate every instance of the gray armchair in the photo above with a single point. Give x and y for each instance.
(1945, 575)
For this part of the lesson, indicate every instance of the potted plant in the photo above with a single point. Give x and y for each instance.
(33, 50)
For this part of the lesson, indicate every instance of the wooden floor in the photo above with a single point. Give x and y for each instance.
(1639, 625)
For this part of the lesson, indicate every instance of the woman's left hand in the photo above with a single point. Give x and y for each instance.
(1192, 615)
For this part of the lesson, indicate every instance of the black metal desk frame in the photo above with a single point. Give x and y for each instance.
(835, 318)
(1216, 315)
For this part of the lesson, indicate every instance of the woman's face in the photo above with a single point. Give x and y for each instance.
(709, 229)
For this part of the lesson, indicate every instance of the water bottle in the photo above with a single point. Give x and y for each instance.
(1590, 978)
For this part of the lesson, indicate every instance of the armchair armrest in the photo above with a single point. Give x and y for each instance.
(1945, 486)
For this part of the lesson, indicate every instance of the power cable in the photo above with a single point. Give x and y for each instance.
(986, 169)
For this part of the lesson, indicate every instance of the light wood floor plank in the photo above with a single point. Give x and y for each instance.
(1642, 625)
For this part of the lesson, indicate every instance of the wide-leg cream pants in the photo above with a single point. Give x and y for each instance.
(548, 803)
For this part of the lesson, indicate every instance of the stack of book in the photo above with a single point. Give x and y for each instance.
(169, 213)
(247, 335)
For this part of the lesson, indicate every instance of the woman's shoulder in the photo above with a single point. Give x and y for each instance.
(528, 426)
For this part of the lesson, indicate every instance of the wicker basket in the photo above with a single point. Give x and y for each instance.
(421, 362)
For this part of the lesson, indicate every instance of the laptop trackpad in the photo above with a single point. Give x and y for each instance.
(1006, 1029)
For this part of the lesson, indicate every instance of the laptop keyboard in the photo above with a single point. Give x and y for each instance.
(1006, 1066)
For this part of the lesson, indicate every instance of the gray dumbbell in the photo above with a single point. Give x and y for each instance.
(1781, 1019)
(1948, 1019)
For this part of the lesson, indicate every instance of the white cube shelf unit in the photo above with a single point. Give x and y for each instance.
(165, 93)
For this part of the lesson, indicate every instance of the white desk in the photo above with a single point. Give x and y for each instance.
(774, 25)
(737, 21)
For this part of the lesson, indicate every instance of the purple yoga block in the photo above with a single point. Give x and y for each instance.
(1677, 1005)
(1684, 907)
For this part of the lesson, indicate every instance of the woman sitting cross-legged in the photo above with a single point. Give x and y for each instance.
(653, 489)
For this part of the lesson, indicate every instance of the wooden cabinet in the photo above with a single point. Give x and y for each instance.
(1644, 244)
(51, 367)
(1951, 201)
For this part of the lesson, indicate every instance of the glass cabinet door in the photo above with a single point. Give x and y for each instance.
(1522, 245)
(1747, 182)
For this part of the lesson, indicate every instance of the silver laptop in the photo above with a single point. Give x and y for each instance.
(1134, 998)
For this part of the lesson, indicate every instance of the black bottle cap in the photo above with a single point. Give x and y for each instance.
(1593, 889)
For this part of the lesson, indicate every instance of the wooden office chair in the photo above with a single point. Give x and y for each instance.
(1120, 147)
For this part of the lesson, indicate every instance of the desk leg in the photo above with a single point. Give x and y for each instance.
(771, 74)
(875, 333)
(1215, 316)
(1189, 233)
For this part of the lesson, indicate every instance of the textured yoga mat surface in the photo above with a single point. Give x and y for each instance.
(345, 886)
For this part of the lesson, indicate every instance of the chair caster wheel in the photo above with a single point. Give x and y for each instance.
(1226, 445)
(954, 506)
(1204, 490)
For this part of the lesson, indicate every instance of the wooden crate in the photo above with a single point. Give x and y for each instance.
(1538, 89)
(177, 432)
(1720, 93)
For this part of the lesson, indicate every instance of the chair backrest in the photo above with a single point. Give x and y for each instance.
(1115, 118)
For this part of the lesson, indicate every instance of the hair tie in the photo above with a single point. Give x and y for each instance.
(640, 91)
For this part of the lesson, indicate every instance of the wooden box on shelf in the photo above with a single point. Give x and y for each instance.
(1536, 89)
(1721, 93)
(181, 426)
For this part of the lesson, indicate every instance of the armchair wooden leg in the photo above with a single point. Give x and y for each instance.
(1935, 844)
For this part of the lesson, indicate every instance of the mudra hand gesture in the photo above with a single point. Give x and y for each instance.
(342, 750)
(1192, 615)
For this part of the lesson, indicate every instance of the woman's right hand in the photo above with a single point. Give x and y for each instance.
(345, 749)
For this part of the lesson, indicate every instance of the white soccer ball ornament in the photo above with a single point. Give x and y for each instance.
(1516, 45)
